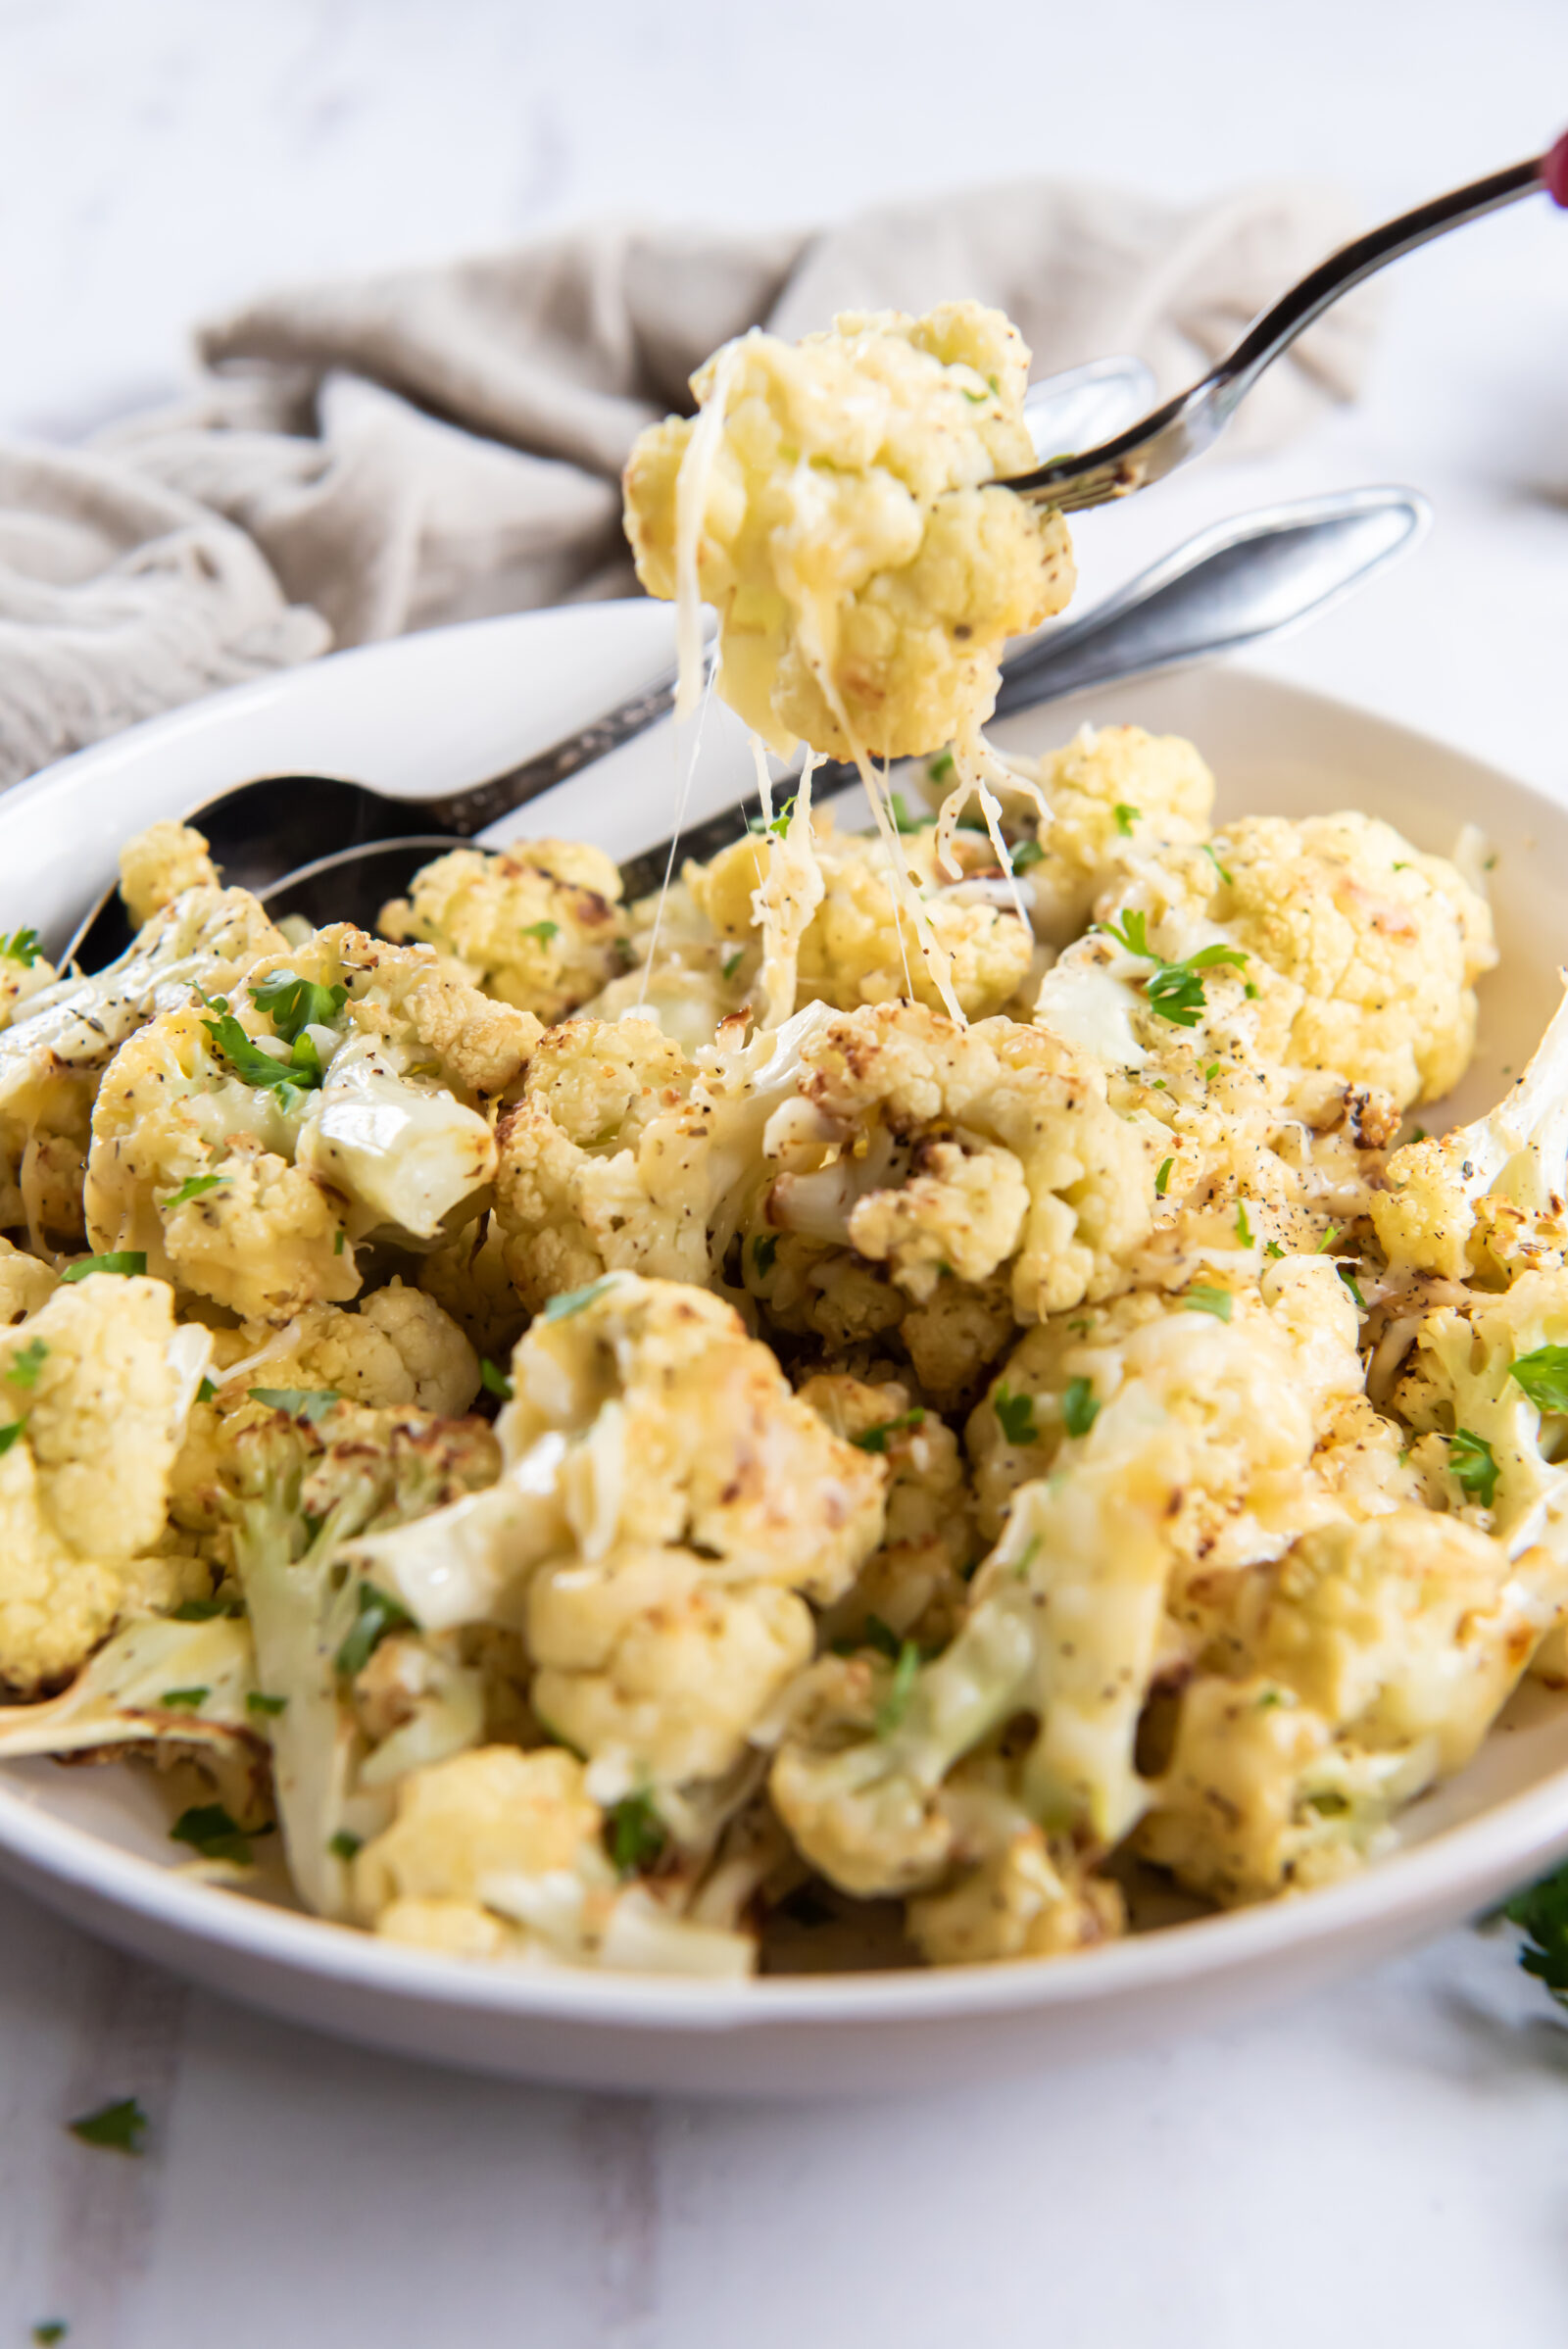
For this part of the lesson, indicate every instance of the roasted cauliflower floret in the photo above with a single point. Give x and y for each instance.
(160, 864)
(854, 949)
(538, 924)
(865, 565)
(1328, 947)
(242, 1148)
(24, 971)
(602, 1165)
(1368, 1662)
(25, 1282)
(1115, 793)
(1063, 1635)
(53, 1051)
(946, 1151)
(914, 1585)
(469, 1280)
(490, 1812)
(96, 1387)
(1251, 1372)
(398, 1350)
(1492, 1198)
(668, 1508)
(1016, 1891)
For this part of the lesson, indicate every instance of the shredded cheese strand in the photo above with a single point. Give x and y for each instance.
(692, 485)
(791, 891)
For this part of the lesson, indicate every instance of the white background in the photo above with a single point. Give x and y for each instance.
(1385, 2164)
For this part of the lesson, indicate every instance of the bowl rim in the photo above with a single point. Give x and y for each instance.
(1498, 1846)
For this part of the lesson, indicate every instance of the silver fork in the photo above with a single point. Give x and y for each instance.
(1191, 422)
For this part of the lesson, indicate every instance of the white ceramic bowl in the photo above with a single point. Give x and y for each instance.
(443, 709)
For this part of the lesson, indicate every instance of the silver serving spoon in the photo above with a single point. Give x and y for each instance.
(1188, 424)
(1230, 585)
(262, 829)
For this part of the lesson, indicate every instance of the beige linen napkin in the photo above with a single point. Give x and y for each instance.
(361, 458)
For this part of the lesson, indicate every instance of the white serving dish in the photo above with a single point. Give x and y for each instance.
(438, 710)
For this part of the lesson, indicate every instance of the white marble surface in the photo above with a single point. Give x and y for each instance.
(1385, 2164)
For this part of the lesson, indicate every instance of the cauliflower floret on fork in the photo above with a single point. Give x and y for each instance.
(852, 529)
(96, 1386)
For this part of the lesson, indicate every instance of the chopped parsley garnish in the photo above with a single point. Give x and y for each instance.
(896, 1703)
(204, 1610)
(337, 1245)
(53, 2328)
(1474, 1464)
(876, 1438)
(1203, 1299)
(732, 962)
(9, 1435)
(293, 1004)
(207, 1828)
(634, 1833)
(301, 1072)
(24, 1371)
(544, 931)
(1251, 992)
(493, 1380)
(1272, 1248)
(1015, 1415)
(192, 1188)
(1174, 990)
(1544, 1376)
(1026, 853)
(1079, 1406)
(119, 2127)
(20, 945)
(1328, 1239)
(344, 1844)
(1162, 1178)
(1132, 937)
(1542, 1911)
(781, 822)
(205, 1392)
(764, 1247)
(1353, 1285)
(300, 1402)
(1243, 1230)
(577, 1301)
(183, 1700)
(377, 1616)
(127, 1261)
(903, 821)
(1126, 815)
(268, 1706)
(939, 768)
(1209, 853)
